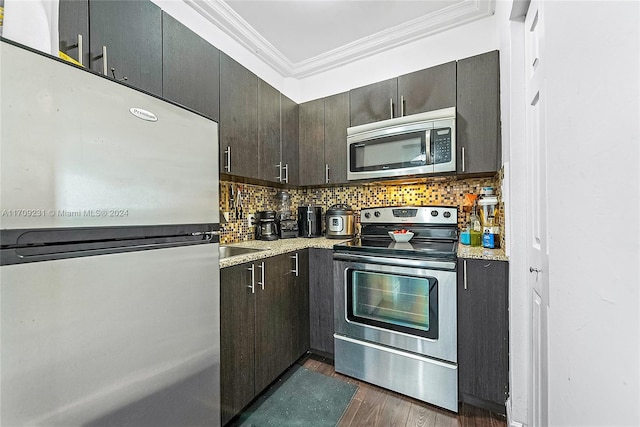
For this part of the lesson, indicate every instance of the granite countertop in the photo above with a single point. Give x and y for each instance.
(276, 247)
(281, 246)
(469, 252)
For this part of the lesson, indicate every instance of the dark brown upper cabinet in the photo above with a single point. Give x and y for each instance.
(126, 41)
(425, 90)
(238, 119)
(289, 140)
(373, 102)
(323, 140)
(311, 145)
(190, 69)
(73, 29)
(269, 162)
(336, 122)
(479, 147)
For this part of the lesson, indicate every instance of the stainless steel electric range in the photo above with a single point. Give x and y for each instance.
(395, 303)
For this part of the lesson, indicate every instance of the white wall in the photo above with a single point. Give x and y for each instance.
(512, 110)
(468, 40)
(593, 137)
(593, 141)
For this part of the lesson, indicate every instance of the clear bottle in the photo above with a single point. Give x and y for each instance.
(475, 228)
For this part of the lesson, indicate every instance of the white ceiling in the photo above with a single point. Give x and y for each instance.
(299, 38)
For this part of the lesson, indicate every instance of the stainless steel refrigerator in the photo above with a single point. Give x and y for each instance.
(109, 276)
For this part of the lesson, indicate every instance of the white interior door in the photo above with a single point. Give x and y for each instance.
(537, 246)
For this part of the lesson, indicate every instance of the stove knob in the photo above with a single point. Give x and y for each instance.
(447, 214)
(367, 215)
(434, 213)
(377, 214)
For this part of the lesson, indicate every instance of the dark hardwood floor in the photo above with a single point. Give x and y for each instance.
(373, 406)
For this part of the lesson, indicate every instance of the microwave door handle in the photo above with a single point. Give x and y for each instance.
(427, 143)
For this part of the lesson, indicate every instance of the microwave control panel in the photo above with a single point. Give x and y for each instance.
(441, 145)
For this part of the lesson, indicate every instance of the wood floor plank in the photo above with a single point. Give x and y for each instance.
(373, 406)
(370, 410)
(395, 411)
(421, 416)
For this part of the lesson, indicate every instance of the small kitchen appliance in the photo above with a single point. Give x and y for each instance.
(418, 144)
(395, 303)
(310, 221)
(340, 222)
(286, 225)
(287, 228)
(266, 228)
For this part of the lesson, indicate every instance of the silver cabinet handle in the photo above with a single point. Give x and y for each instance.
(391, 107)
(402, 106)
(279, 166)
(261, 267)
(464, 268)
(463, 168)
(80, 49)
(295, 269)
(286, 173)
(326, 173)
(105, 67)
(227, 153)
(252, 286)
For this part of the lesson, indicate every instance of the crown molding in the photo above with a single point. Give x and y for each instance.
(227, 20)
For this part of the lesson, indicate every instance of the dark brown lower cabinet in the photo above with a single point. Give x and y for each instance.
(263, 325)
(237, 340)
(321, 300)
(483, 333)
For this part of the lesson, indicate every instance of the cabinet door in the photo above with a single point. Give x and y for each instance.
(73, 21)
(237, 332)
(268, 132)
(483, 333)
(374, 102)
(321, 299)
(427, 90)
(478, 114)
(273, 335)
(311, 148)
(299, 320)
(190, 69)
(289, 134)
(132, 33)
(238, 119)
(336, 122)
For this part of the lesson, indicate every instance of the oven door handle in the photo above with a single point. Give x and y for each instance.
(400, 262)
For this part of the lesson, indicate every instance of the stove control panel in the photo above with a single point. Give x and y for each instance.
(444, 215)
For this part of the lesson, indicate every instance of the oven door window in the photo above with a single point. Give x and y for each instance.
(394, 302)
(391, 152)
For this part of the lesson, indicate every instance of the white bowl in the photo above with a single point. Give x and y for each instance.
(401, 237)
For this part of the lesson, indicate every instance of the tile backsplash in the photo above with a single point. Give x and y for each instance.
(427, 191)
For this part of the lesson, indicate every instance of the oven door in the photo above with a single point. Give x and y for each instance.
(412, 308)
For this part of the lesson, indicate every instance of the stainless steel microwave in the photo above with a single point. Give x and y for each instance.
(419, 144)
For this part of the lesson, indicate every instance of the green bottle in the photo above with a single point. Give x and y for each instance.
(475, 229)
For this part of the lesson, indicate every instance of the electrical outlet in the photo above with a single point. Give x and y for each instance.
(251, 218)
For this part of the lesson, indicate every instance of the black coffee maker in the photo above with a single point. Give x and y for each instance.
(310, 221)
(266, 228)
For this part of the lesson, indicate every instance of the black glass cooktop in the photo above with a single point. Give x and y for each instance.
(413, 248)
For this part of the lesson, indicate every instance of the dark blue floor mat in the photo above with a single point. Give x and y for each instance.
(300, 398)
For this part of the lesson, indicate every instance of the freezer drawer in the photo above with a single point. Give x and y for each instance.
(119, 339)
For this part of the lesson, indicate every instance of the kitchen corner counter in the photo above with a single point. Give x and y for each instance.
(469, 252)
(276, 247)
